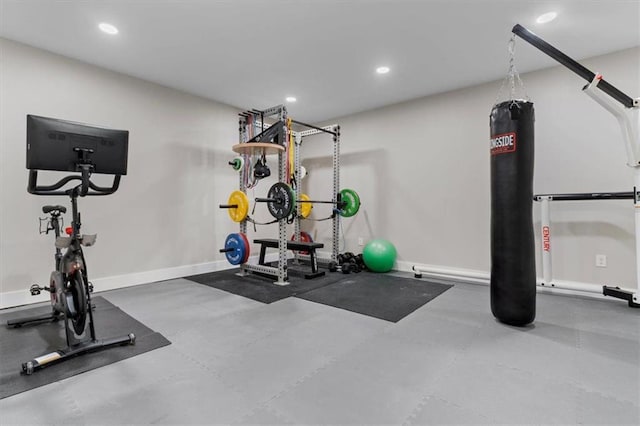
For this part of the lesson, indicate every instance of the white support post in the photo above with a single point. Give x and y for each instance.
(545, 238)
(629, 121)
(636, 205)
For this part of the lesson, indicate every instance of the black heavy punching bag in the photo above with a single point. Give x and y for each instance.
(513, 270)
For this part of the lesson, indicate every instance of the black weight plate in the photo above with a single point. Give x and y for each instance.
(283, 200)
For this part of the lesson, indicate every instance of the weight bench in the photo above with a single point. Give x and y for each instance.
(293, 245)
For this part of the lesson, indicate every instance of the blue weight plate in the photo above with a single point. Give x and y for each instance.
(237, 243)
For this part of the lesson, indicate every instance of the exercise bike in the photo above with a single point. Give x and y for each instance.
(69, 286)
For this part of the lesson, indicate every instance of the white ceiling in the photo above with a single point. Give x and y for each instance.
(251, 53)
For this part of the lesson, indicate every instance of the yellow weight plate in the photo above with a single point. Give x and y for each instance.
(305, 208)
(239, 198)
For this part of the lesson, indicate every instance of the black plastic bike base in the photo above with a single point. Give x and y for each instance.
(60, 355)
(618, 293)
(19, 322)
(50, 317)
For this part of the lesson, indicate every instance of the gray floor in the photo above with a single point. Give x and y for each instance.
(237, 361)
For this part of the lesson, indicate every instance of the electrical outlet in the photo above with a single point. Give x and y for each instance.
(360, 241)
(601, 260)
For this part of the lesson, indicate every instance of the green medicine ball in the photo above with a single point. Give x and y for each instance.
(379, 255)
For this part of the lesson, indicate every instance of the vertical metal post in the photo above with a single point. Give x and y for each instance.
(296, 167)
(545, 238)
(243, 133)
(243, 138)
(636, 204)
(336, 188)
(282, 223)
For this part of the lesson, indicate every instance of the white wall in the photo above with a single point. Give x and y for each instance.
(165, 213)
(422, 170)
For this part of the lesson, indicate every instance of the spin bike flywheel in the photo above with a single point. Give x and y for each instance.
(76, 302)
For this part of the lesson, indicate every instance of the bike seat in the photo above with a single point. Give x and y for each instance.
(49, 209)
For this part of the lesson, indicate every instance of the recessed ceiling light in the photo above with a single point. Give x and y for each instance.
(383, 70)
(291, 99)
(546, 17)
(108, 28)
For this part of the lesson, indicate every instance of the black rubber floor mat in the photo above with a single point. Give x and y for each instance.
(260, 288)
(380, 296)
(18, 345)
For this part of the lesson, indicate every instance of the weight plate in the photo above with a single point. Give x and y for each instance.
(237, 163)
(283, 200)
(247, 247)
(239, 198)
(352, 202)
(305, 208)
(236, 242)
(305, 237)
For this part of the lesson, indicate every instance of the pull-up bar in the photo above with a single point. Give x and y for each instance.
(313, 127)
(574, 66)
(585, 196)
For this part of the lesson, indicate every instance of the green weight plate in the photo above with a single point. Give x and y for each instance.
(237, 163)
(351, 201)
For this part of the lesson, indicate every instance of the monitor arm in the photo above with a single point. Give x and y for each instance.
(625, 108)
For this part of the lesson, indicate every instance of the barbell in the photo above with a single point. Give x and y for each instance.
(281, 203)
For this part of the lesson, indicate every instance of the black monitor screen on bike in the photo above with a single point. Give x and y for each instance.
(54, 144)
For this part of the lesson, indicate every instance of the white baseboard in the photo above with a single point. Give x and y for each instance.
(483, 278)
(23, 297)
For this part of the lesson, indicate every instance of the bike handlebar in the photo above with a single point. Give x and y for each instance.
(86, 186)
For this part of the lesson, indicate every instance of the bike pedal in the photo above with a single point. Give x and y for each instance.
(90, 287)
(35, 289)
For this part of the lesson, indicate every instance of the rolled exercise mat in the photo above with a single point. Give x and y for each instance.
(513, 269)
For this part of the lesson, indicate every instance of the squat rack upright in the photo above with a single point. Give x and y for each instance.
(280, 113)
(334, 130)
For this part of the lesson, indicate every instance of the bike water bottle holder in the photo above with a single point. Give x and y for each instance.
(48, 224)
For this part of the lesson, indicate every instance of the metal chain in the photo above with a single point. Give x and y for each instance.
(512, 74)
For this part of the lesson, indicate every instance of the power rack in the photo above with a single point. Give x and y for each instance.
(256, 136)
